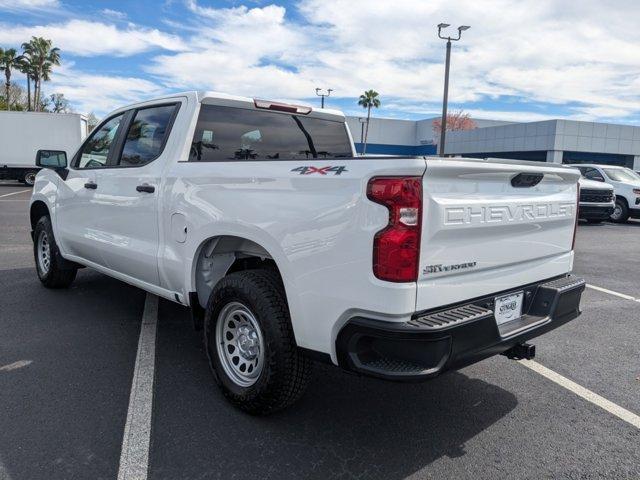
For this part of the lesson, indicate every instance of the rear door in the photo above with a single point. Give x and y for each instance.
(128, 192)
(489, 227)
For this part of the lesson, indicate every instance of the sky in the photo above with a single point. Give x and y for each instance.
(521, 60)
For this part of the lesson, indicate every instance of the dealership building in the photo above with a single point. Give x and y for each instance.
(556, 141)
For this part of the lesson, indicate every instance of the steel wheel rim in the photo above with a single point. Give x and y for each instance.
(240, 344)
(30, 178)
(44, 252)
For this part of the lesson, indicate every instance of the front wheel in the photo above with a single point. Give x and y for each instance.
(250, 343)
(620, 212)
(53, 270)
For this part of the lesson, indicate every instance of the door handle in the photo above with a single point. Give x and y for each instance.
(146, 188)
(91, 185)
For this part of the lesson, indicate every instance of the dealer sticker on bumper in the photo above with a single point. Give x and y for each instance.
(508, 307)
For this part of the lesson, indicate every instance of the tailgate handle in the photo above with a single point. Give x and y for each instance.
(525, 180)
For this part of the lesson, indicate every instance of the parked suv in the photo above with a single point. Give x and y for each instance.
(597, 200)
(626, 186)
(287, 247)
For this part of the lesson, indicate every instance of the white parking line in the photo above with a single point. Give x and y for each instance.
(15, 193)
(611, 292)
(134, 457)
(622, 413)
(15, 366)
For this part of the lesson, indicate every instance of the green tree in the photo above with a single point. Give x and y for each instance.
(58, 103)
(92, 121)
(369, 99)
(8, 61)
(44, 57)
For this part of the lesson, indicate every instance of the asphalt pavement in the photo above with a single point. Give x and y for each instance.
(67, 361)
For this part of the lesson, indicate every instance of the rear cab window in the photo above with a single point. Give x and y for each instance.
(234, 134)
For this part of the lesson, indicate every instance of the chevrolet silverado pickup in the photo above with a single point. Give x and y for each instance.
(597, 200)
(287, 247)
(626, 186)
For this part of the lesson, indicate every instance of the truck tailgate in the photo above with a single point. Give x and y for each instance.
(484, 232)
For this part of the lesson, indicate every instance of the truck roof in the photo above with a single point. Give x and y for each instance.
(225, 99)
(23, 113)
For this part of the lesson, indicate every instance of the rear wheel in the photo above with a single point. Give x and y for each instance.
(250, 343)
(620, 212)
(53, 270)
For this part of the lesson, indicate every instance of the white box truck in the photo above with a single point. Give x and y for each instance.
(22, 134)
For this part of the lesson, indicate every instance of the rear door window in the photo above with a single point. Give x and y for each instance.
(234, 134)
(147, 135)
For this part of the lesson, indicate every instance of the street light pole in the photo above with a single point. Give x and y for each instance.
(322, 95)
(445, 99)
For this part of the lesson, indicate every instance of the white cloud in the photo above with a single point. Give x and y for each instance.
(99, 93)
(87, 38)
(115, 14)
(583, 58)
(585, 54)
(28, 4)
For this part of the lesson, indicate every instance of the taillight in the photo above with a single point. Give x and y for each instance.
(575, 226)
(396, 248)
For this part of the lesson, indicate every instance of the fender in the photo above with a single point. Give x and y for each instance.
(45, 189)
(198, 239)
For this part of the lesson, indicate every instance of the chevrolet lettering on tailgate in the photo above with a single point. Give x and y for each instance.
(471, 215)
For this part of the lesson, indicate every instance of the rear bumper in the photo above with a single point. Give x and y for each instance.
(595, 212)
(436, 341)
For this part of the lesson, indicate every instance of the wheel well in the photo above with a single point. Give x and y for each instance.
(220, 256)
(622, 199)
(38, 210)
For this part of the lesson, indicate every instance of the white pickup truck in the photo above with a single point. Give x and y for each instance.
(287, 247)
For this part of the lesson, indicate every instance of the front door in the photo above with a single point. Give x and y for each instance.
(78, 214)
(128, 192)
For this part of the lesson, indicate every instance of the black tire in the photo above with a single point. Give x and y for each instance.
(29, 178)
(594, 220)
(285, 371)
(623, 216)
(60, 273)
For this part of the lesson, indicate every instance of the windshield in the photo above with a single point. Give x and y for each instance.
(621, 174)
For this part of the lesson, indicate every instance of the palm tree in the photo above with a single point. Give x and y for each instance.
(8, 61)
(367, 100)
(27, 66)
(43, 57)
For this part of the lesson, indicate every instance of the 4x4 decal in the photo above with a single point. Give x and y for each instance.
(320, 170)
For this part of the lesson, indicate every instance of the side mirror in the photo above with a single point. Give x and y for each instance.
(51, 159)
(598, 179)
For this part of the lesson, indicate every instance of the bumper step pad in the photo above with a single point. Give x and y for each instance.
(448, 318)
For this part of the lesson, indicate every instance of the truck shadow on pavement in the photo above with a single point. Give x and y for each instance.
(345, 426)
